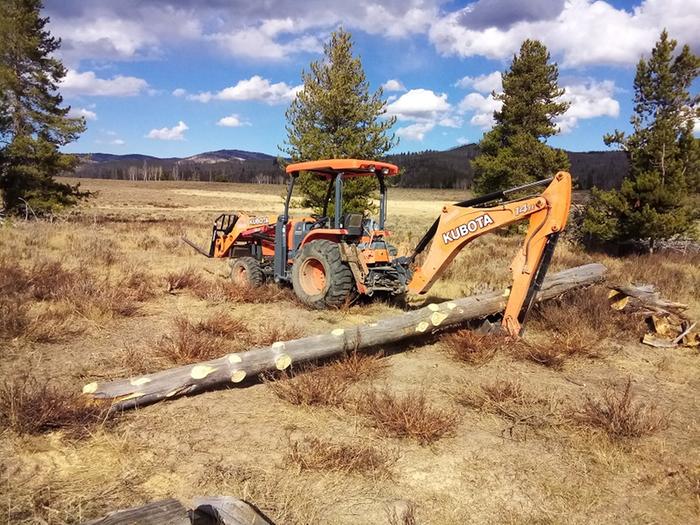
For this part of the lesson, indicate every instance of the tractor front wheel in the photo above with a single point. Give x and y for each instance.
(320, 278)
(246, 271)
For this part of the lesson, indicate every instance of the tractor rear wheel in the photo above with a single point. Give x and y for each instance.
(320, 278)
(246, 271)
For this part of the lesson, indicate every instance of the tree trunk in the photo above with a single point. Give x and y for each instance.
(235, 368)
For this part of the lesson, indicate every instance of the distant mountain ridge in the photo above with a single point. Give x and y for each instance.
(426, 169)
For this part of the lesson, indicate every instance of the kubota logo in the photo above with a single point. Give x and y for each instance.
(468, 227)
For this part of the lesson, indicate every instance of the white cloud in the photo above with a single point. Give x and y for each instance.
(415, 131)
(584, 32)
(118, 142)
(232, 121)
(87, 83)
(588, 100)
(254, 88)
(426, 109)
(483, 83)
(260, 42)
(482, 108)
(419, 104)
(393, 85)
(174, 133)
(179, 92)
(463, 140)
(76, 112)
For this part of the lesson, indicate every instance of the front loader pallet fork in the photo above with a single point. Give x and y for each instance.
(461, 223)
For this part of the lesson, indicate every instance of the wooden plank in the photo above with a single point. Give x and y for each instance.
(163, 512)
(234, 369)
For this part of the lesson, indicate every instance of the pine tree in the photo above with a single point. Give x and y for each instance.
(335, 116)
(654, 200)
(33, 125)
(513, 152)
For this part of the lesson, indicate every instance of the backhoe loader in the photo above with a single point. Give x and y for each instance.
(329, 260)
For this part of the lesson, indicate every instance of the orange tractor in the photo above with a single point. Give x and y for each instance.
(330, 260)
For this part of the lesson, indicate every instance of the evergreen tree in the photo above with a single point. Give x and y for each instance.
(335, 116)
(33, 125)
(654, 200)
(513, 152)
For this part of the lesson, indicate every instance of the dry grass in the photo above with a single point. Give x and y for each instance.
(473, 348)
(191, 342)
(620, 415)
(183, 279)
(356, 367)
(312, 453)
(310, 388)
(508, 399)
(408, 416)
(28, 406)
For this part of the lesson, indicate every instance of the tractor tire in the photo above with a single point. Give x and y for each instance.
(246, 271)
(320, 278)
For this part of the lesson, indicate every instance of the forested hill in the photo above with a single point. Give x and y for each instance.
(427, 169)
(452, 169)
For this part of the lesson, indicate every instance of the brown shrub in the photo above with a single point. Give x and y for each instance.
(28, 407)
(14, 317)
(181, 279)
(309, 388)
(408, 416)
(141, 284)
(549, 353)
(356, 367)
(221, 324)
(313, 453)
(473, 348)
(619, 415)
(189, 344)
(13, 279)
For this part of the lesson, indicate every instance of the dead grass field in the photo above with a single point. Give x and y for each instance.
(577, 424)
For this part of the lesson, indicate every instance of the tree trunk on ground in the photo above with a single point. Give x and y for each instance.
(235, 368)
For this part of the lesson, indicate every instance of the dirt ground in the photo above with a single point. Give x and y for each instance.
(95, 305)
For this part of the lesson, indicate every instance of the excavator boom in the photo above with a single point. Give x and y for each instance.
(461, 223)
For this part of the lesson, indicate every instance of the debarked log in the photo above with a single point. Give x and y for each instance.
(233, 369)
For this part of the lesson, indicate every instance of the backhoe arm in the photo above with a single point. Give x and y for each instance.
(458, 225)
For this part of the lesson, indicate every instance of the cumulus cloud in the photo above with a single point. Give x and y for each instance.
(174, 133)
(76, 112)
(232, 121)
(179, 92)
(483, 83)
(425, 109)
(393, 85)
(415, 131)
(419, 104)
(254, 88)
(582, 32)
(87, 83)
(590, 99)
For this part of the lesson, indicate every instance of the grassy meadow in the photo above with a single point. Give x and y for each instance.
(578, 423)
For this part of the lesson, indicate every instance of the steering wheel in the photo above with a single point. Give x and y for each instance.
(321, 221)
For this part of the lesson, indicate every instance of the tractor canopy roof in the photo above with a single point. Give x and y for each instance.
(348, 167)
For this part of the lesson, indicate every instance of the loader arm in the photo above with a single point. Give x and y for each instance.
(460, 224)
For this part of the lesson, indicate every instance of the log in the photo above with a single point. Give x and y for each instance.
(646, 296)
(233, 369)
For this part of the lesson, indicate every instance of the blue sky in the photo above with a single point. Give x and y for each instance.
(174, 78)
